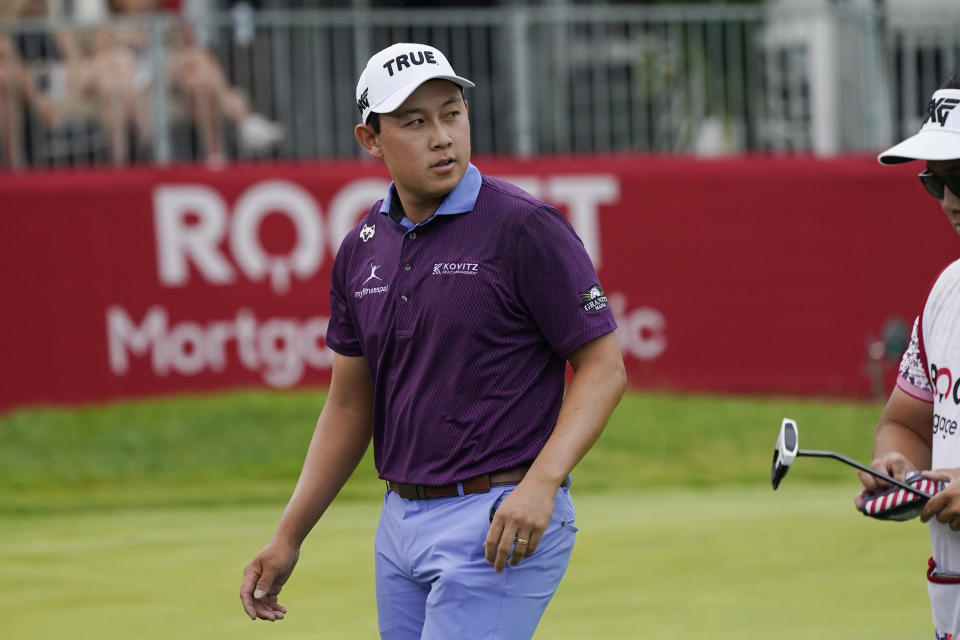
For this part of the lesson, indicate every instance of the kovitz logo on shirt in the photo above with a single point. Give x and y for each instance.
(452, 268)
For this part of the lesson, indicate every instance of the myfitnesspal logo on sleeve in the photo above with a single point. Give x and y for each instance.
(594, 299)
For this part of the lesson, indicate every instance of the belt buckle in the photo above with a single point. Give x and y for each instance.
(406, 491)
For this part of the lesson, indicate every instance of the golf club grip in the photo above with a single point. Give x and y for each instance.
(863, 467)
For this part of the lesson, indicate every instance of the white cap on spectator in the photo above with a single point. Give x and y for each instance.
(392, 74)
(939, 136)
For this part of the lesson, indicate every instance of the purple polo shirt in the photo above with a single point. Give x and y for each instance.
(465, 322)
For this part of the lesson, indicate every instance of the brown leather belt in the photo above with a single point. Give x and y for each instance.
(478, 484)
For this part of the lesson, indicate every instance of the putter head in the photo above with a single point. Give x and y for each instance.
(785, 451)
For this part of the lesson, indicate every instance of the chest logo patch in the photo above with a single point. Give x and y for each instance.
(373, 273)
(376, 283)
(366, 233)
(594, 299)
(456, 268)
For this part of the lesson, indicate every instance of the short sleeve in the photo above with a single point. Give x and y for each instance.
(341, 332)
(912, 377)
(558, 284)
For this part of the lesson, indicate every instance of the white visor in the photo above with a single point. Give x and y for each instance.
(939, 136)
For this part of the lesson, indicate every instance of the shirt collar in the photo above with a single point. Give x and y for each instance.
(462, 199)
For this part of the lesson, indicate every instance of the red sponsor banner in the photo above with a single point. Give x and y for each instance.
(751, 275)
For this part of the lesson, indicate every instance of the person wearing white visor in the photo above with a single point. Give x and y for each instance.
(938, 142)
(920, 424)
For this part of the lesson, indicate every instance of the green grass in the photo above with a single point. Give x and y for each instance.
(247, 448)
(233, 448)
(134, 520)
(730, 563)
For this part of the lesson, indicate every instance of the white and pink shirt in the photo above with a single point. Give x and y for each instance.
(930, 371)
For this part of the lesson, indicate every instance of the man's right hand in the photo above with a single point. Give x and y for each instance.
(892, 464)
(264, 577)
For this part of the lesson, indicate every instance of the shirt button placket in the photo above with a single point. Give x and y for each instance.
(406, 267)
(404, 312)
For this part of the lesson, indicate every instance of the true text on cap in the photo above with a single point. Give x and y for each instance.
(406, 61)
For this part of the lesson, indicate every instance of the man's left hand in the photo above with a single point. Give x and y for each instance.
(519, 523)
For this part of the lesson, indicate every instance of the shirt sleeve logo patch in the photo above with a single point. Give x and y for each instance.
(367, 232)
(594, 299)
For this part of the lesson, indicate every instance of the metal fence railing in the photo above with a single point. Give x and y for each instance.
(824, 78)
(922, 44)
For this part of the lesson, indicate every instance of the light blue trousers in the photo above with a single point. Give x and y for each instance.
(433, 582)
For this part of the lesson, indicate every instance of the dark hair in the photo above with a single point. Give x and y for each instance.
(953, 82)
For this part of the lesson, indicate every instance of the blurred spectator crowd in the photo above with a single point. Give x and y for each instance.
(95, 74)
(121, 82)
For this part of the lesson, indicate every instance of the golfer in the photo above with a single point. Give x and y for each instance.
(920, 425)
(456, 304)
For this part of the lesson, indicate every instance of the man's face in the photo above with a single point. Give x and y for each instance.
(425, 143)
(951, 201)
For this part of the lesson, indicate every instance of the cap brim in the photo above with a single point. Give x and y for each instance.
(397, 98)
(926, 145)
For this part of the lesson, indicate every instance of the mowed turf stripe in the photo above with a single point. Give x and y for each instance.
(677, 563)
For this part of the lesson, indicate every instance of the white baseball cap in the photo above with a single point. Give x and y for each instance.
(939, 136)
(392, 74)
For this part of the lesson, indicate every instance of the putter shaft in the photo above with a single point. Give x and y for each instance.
(865, 468)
